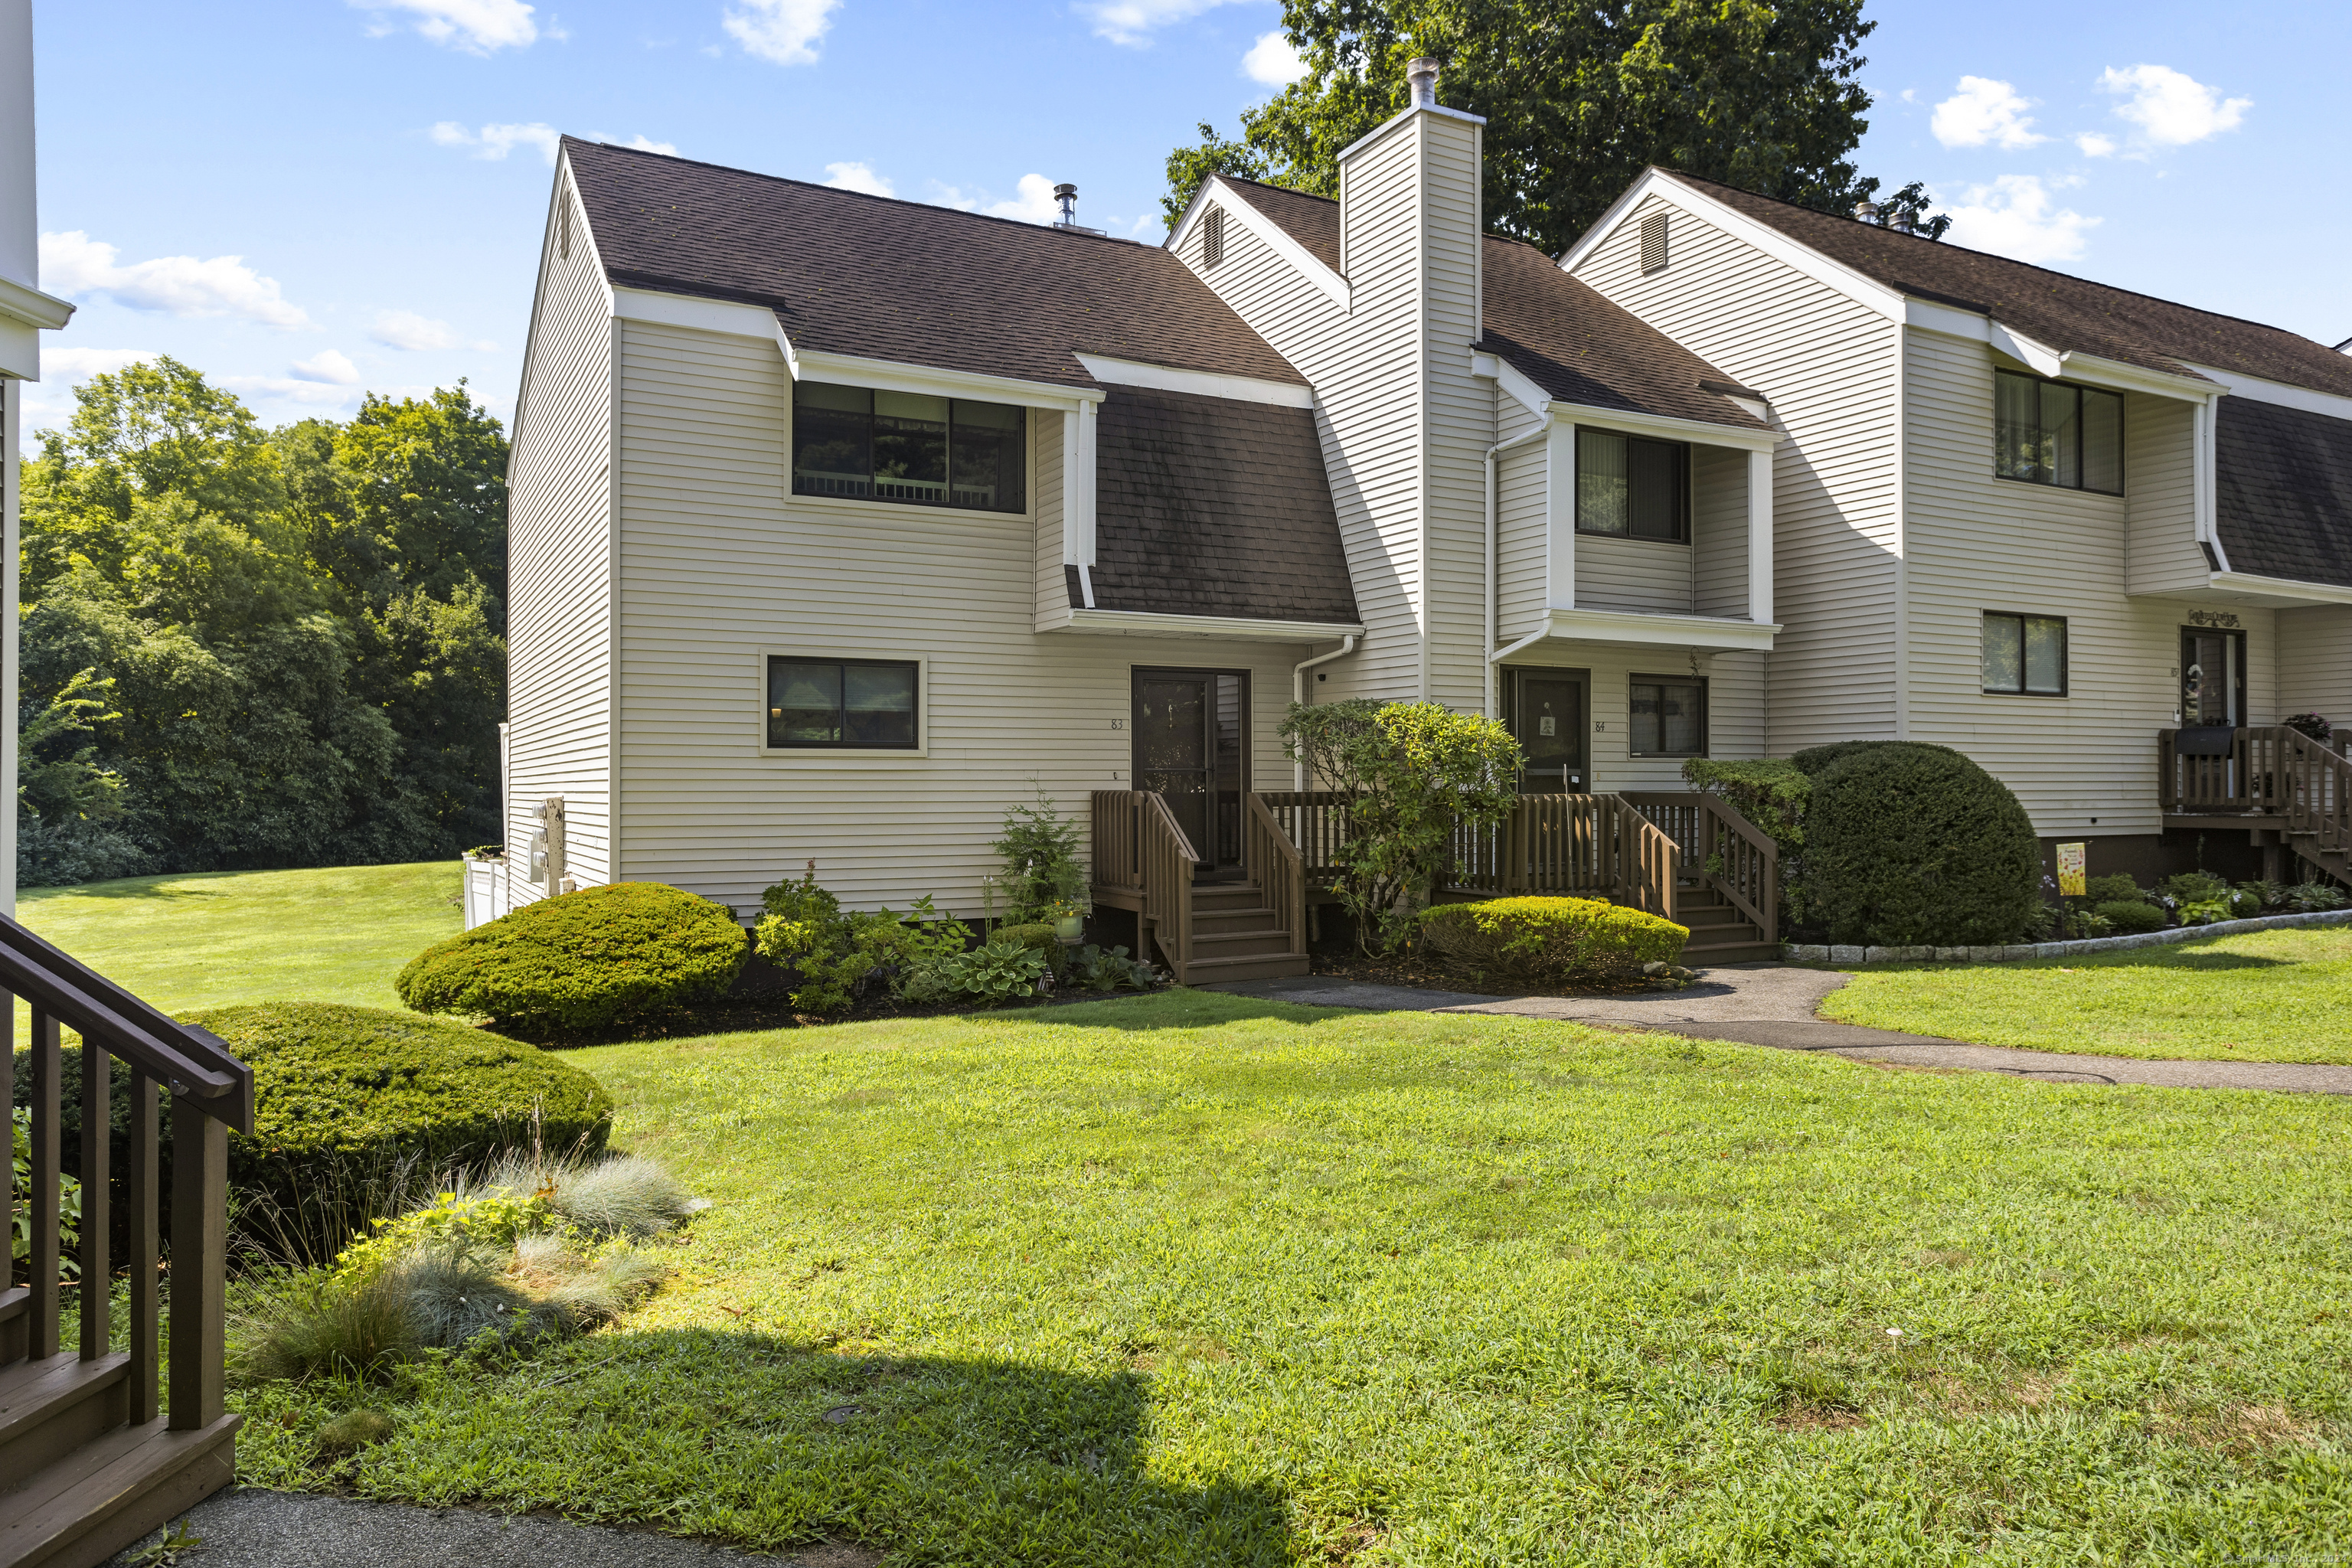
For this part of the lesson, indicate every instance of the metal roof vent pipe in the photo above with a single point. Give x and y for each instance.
(1900, 219)
(1421, 75)
(1865, 212)
(1067, 196)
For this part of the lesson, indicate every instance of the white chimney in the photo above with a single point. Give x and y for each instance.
(1422, 76)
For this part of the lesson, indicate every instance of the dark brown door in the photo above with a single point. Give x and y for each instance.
(2212, 678)
(1190, 728)
(1546, 714)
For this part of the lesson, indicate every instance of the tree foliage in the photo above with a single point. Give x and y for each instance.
(1577, 99)
(247, 648)
(1414, 772)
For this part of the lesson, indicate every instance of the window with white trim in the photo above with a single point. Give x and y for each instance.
(2055, 433)
(1667, 717)
(1630, 487)
(2024, 656)
(835, 704)
(909, 447)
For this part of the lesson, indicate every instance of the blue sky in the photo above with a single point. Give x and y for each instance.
(308, 198)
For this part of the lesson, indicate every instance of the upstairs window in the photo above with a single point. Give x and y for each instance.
(1630, 487)
(863, 704)
(2051, 433)
(2024, 656)
(908, 447)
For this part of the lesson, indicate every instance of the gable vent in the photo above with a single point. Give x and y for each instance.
(1653, 243)
(1213, 236)
(564, 223)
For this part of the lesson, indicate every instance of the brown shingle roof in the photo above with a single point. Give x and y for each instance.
(2070, 314)
(2282, 491)
(896, 281)
(1563, 335)
(1206, 505)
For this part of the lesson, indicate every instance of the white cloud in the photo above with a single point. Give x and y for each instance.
(2014, 216)
(2094, 145)
(1273, 61)
(2172, 110)
(72, 264)
(293, 389)
(1035, 203)
(72, 364)
(644, 144)
(1132, 22)
(857, 177)
(1985, 112)
(495, 141)
(476, 26)
(407, 329)
(329, 367)
(785, 31)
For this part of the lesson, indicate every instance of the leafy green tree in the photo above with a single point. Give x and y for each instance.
(1577, 99)
(1414, 772)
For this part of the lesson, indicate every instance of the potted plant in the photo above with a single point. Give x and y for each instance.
(1069, 919)
(2310, 724)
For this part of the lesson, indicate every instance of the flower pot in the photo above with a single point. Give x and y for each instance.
(1070, 928)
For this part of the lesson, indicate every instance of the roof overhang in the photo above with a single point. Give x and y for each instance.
(1523, 390)
(33, 307)
(1139, 623)
(2277, 592)
(1198, 382)
(1715, 633)
(2256, 389)
(890, 375)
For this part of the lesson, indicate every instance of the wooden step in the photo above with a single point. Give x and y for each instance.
(56, 1403)
(89, 1504)
(1222, 896)
(1240, 943)
(1753, 952)
(1205, 921)
(1270, 966)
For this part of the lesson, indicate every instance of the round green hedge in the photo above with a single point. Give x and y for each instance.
(1910, 845)
(2129, 916)
(1554, 940)
(583, 961)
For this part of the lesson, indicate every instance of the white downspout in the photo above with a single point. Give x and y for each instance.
(1298, 690)
(1494, 548)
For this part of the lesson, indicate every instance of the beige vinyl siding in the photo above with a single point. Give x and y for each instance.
(2314, 663)
(1980, 544)
(1719, 530)
(1645, 575)
(559, 586)
(1831, 367)
(2161, 499)
(1053, 604)
(719, 561)
(1523, 521)
(1461, 410)
(1735, 698)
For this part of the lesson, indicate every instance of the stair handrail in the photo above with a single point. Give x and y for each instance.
(210, 1093)
(1165, 860)
(1649, 865)
(2316, 788)
(1751, 878)
(1280, 870)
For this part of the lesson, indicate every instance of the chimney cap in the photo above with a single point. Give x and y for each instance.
(1421, 75)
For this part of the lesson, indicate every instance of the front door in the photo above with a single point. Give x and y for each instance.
(2212, 676)
(1546, 714)
(1190, 729)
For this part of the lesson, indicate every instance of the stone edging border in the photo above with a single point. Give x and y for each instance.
(1815, 953)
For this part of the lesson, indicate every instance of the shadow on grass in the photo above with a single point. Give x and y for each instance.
(172, 886)
(2182, 957)
(982, 1459)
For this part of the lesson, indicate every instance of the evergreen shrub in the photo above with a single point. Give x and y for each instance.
(2129, 915)
(1552, 940)
(583, 961)
(2107, 889)
(1910, 845)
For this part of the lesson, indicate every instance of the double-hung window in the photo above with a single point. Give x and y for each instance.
(2053, 433)
(2024, 656)
(861, 704)
(908, 447)
(1669, 717)
(1631, 489)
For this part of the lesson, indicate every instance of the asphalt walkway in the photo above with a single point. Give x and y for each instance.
(1776, 1004)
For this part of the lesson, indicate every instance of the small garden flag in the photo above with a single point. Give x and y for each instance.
(2070, 870)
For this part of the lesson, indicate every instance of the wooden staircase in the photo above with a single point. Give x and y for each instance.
(92, 1456)
(1719, 933)
(1237, 934)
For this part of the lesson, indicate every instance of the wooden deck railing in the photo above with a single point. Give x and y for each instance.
(2266, 771)
(2313, 785)
(1588, 846)
(1140, 846)
(1723, 849)
(1278, 868)
(210, 1091)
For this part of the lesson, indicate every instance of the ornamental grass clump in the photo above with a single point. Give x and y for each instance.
(1553, 941)
(581, 962)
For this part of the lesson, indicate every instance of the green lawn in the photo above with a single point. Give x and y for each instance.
(2270, 995)
(1198, 1278)
(206, 939)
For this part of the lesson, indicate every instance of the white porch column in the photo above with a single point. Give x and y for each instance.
(1759, 537)
(1559, 515)
(1078, 494)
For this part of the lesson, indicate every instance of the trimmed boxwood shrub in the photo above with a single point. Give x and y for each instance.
(2107, 890)
(1910, 845)
(356, 1110)
(584, 961)
(2129, 916)
(1038, 936)
(1552, 940)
